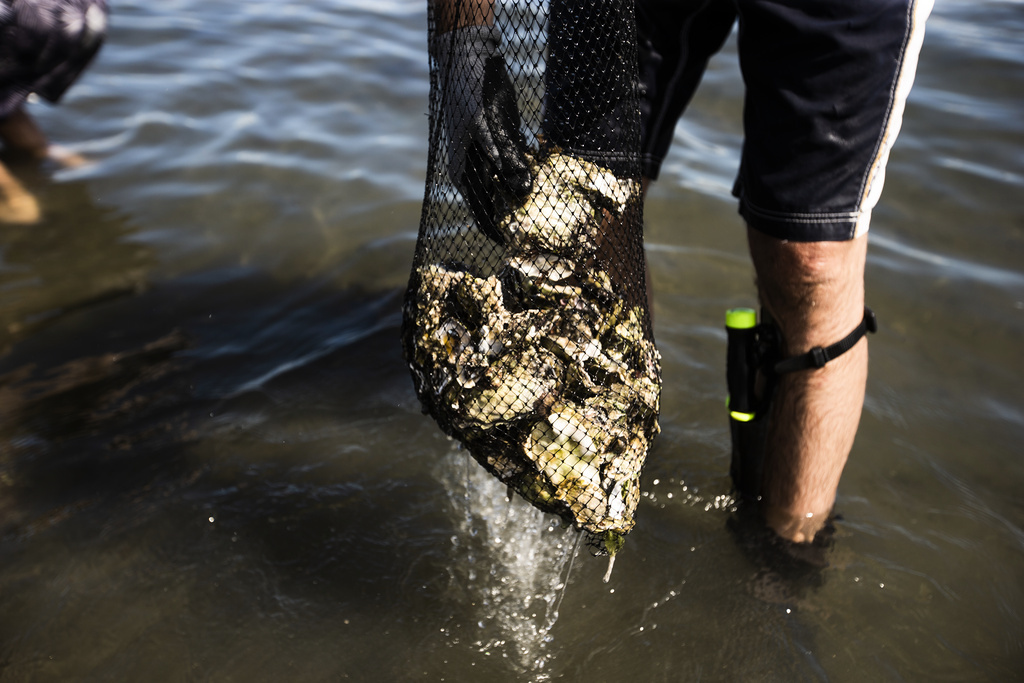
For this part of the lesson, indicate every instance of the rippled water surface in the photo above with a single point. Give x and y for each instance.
(213, 465)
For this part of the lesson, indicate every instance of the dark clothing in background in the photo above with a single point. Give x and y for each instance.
(45, 45)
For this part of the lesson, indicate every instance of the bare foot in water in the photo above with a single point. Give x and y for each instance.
(65, 157)
(19, 132)
(17, 205)
(19, 208)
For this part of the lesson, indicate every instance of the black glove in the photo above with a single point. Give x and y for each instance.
(486, 147)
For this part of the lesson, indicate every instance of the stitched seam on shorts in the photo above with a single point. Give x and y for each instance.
(831, 217)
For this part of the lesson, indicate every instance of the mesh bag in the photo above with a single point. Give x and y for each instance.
(525, 320)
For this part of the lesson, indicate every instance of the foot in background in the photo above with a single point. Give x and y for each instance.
(17, 205)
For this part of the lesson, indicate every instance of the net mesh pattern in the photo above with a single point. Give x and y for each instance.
(525, 323)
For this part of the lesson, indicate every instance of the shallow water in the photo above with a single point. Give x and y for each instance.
(213, 465)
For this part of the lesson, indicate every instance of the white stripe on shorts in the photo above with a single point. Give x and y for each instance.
(908, 68)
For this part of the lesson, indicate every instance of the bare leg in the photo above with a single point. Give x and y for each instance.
(815, 293)
(19, 131)
(17, 205)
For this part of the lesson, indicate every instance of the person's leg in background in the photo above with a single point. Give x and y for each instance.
(19, 132)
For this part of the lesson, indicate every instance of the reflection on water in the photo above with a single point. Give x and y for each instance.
(213, 465)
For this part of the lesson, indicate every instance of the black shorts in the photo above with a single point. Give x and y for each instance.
(826, 83)
(45, 46)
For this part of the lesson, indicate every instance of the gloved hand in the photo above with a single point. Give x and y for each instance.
(486, 146)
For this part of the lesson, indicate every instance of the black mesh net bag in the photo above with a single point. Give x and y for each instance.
(526, 323)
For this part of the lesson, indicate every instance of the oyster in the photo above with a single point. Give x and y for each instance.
(566, 207)
(544, 370)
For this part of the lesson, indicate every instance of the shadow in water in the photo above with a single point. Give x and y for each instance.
(237, 464)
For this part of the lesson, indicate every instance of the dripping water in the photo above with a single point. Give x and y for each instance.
(510, 562)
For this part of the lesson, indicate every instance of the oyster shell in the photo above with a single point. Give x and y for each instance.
(566, 207)
(544, 371)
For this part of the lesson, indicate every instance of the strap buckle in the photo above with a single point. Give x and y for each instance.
(817, 357)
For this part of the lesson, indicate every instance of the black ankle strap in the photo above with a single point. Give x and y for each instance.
(818, 356)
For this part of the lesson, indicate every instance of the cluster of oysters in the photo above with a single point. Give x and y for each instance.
(542, 369)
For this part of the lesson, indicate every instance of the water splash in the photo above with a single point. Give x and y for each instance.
(511, 563)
